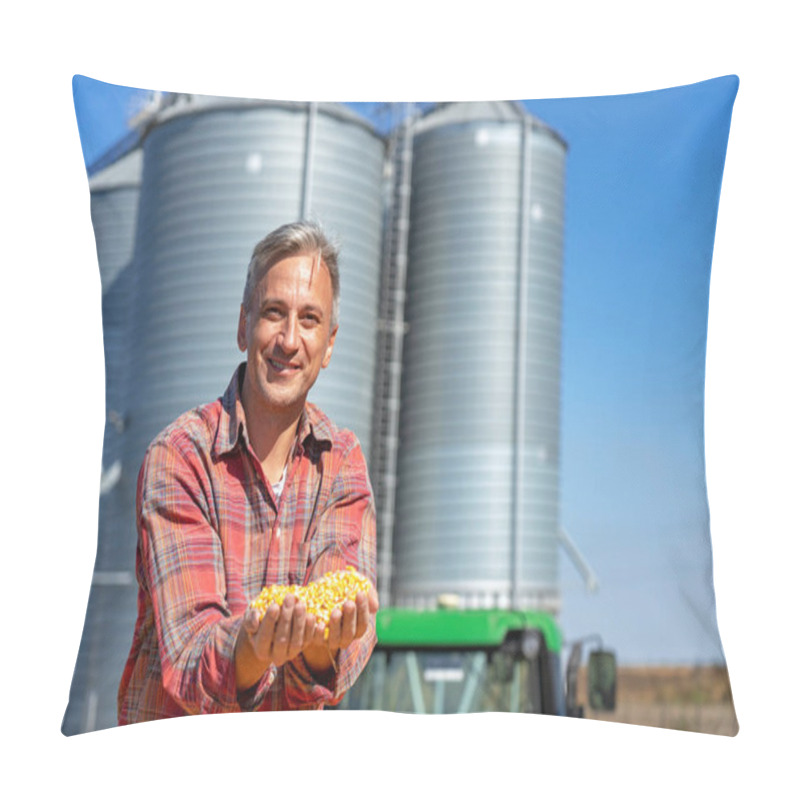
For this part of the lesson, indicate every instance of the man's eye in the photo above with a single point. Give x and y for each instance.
(310, 320)
(272, 313)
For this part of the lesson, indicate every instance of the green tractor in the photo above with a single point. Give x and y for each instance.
(447, 661)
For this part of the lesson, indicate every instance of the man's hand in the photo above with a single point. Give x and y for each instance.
(348, 623)
(284, 631)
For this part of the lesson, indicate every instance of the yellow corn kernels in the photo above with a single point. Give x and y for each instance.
(321, 597)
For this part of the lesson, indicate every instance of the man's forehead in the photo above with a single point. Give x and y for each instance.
(297, 266)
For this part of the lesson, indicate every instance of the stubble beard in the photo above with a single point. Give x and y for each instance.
(269, 398)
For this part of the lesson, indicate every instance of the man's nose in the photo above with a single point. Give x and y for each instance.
(289, 334)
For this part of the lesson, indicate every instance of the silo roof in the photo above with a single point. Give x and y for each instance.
(482, 111)
(181, 104)
(126, 171)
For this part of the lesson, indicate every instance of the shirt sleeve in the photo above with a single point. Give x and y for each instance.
(345, 536)
(183, 564)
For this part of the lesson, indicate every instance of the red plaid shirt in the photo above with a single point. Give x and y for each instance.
(211, 535)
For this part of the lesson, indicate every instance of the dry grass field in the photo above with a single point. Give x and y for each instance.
(681, 698)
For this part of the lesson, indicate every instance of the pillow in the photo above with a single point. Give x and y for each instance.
(521, 355)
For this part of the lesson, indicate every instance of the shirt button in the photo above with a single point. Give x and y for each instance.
(278, 532)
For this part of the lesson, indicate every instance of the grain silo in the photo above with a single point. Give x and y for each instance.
(114, 206)
(111, 612)
(477, 509)
(219, 174)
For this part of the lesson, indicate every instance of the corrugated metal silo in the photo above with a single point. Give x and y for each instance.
(478, 466)
(219, 174)
(114, 207)
(111, 612)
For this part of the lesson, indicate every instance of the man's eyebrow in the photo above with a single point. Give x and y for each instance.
(312, 307)
(276, 301)
(270, 301)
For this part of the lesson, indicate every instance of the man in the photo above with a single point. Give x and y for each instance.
(257, 488)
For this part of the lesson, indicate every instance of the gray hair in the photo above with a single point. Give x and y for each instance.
(293, 239)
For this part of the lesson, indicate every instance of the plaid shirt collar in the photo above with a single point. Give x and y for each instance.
(232, 425)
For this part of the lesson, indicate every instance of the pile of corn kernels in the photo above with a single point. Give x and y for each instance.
(321, 597)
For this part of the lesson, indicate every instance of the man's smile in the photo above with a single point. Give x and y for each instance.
(281, 365)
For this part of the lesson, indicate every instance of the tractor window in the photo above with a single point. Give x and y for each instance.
(447, 682)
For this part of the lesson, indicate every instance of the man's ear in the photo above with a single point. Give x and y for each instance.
(241, 333)
(329, 351)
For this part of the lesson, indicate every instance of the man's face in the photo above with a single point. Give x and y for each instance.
(287, 334)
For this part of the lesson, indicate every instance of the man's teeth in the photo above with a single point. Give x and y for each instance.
(279, 365)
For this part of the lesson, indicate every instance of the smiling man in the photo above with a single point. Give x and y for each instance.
(257, 488)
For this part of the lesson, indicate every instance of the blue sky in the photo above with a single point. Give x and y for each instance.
(643, 176)
(643, 179)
